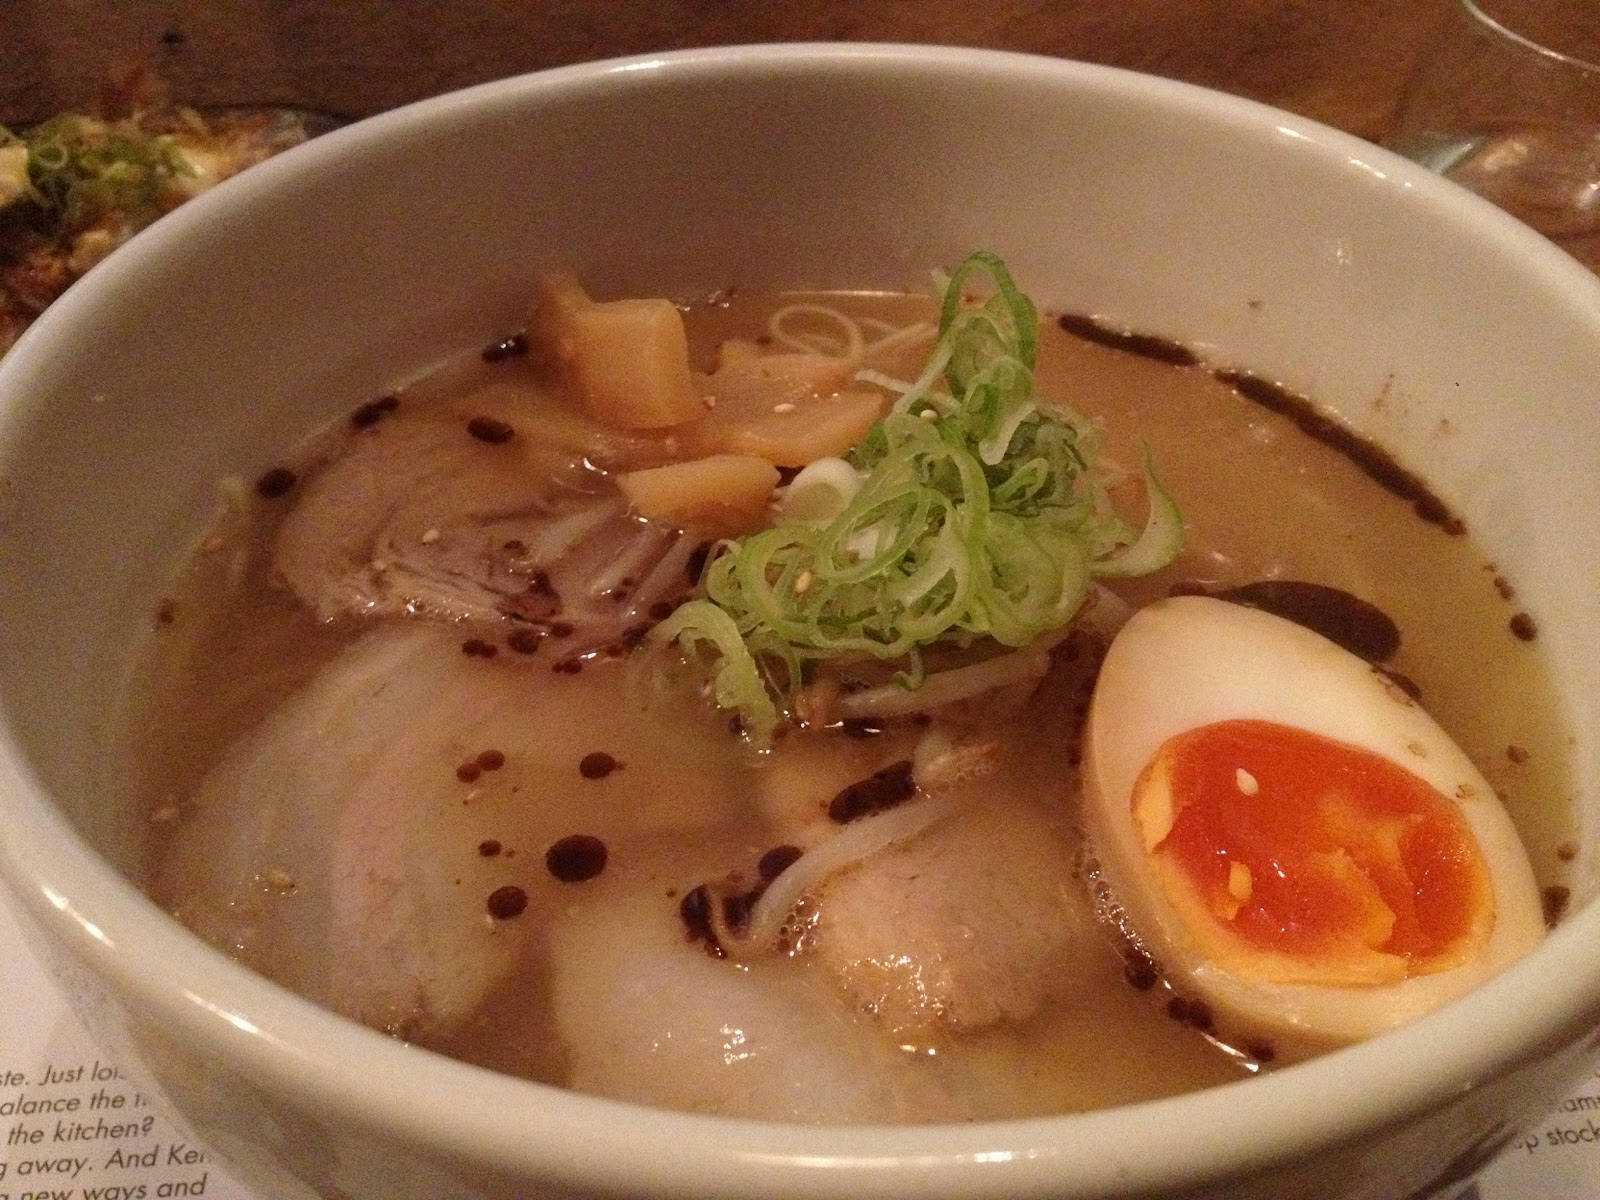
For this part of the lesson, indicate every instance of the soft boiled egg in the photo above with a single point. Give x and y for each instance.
(1289, 835)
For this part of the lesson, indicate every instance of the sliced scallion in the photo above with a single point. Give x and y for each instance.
(986, 520)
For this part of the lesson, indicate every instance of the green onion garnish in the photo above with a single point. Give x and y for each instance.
(977, 515)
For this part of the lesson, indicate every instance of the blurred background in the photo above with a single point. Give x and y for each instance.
(1339, 61)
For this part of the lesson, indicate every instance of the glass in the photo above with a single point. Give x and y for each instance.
(1506, 101)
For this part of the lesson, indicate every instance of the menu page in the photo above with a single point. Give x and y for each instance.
(74, 1127)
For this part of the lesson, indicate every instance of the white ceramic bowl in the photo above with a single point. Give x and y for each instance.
(308, 284)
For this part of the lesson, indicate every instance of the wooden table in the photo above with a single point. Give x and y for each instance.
(1339, 61)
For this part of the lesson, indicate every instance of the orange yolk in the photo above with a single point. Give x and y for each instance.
(1298, 859)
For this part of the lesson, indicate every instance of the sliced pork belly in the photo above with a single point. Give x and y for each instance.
(976, 921)
(973, 917)
(645, 1015)
(965, 910)
(338, 846)
(436, 514)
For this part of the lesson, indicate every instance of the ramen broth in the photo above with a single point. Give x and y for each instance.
(560, 828)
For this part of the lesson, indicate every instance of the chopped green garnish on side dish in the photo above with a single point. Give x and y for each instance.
(81, 168)
(75, 187)
(973, 514)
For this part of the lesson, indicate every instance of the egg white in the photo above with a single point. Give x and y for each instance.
(1191, 661)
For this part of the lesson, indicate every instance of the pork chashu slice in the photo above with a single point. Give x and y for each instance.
(441, 515)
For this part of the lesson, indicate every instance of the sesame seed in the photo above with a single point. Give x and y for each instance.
(430, 536)
(785, 407)
(930, 415)
(708, 400)
(1246, 782)
(1240, 882)
(802, 583)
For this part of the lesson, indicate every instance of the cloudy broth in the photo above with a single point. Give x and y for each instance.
(563, 827)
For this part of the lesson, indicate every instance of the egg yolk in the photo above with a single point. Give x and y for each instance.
(1294, 858)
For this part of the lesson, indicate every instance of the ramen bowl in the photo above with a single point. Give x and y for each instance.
(1427, 320)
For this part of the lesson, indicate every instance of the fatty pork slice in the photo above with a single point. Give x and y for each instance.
(338, 849)
(977, 921)
(436, 514)
(962, 907)
(983, 917)
(648, 1016)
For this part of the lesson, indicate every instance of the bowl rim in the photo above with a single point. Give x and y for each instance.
(285, 1043)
